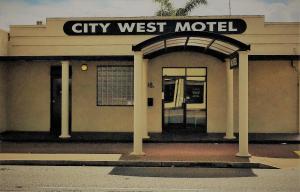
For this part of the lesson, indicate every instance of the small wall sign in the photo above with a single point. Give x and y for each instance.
(151, 27)
(194, 93)
(234, 61)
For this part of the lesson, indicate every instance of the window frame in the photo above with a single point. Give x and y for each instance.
(97, 85)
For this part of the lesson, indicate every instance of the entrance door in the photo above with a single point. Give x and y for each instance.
(55, 126)
(184, 101)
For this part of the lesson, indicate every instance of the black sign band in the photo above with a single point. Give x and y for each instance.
(148, 27)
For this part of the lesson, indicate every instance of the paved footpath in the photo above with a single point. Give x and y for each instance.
(276, 155)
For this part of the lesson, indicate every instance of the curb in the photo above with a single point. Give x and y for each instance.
(126, 163)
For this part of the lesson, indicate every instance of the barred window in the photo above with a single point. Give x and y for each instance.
(114, 85)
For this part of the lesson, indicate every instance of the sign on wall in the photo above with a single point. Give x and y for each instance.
(194, 92)
(151, 27)
(234, 61)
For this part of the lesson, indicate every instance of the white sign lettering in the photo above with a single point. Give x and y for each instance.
(139, 27)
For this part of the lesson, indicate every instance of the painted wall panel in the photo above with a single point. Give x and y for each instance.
(273, 97)
(3, 43)
(29, 96)
(3, 97)
(86, 115)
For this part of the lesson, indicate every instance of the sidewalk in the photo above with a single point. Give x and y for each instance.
(157, 154)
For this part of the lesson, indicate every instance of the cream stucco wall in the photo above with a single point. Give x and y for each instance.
(3, 43)
(3, 97)
(273, 93)
(273, 97)
(216, 87)
(28, 102)
(86, 115)
(29, 95)
(28, 98)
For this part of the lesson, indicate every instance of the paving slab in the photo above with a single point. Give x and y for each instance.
(58, 157)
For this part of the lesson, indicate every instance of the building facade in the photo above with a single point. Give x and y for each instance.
(151, 75)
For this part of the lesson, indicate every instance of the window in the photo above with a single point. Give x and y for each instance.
(114, 85)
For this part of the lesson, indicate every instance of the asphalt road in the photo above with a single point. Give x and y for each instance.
(133, 179)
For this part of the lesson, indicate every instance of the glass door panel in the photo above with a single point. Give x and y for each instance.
(195, 93)
(174, 108)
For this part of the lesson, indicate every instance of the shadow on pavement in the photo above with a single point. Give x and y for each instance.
(182, 172)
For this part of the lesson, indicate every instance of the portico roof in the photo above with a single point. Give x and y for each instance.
(214, 44)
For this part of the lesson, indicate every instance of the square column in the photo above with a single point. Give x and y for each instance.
(138, 107)
(229, 103)
(145, 99)
(65, 100)
(243, 105)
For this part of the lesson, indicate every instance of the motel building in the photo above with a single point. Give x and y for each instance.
(145, 75)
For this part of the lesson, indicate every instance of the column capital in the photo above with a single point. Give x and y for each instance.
(65, 62)
(244, 52)
(227, 63)
(138, 53)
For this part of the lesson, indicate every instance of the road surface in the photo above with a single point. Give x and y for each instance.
(133, 179)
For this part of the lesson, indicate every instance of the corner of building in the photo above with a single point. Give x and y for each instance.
(4, 35)
(3, 80)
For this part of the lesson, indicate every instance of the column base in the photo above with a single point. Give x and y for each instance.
(146, 137)
(229, 137)
(243, 154)
(64, 136)
(137, 153)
